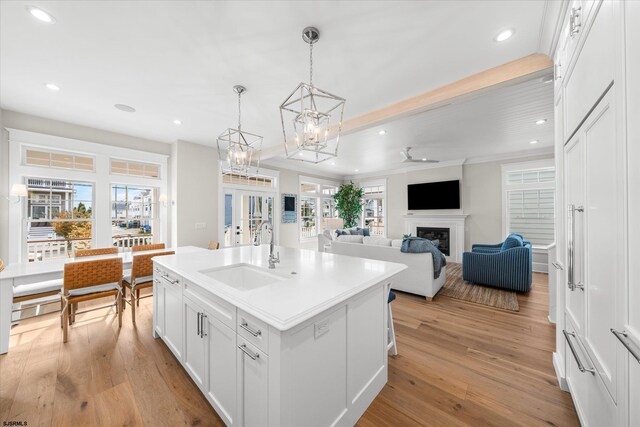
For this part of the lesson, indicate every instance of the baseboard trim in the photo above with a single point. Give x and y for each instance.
(558, 366)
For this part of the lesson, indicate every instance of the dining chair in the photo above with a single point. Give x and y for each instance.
(1, 265)
(94, 252)
(89, 280)
(140, 277)
(213, 245)
(151, 247)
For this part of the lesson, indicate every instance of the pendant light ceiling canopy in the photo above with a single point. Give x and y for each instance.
(311, 117)
(240, 149)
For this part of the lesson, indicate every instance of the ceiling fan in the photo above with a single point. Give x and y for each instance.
(407, 158)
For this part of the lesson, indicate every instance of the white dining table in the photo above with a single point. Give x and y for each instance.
(32, 272)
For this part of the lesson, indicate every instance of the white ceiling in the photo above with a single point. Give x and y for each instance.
(179, 60)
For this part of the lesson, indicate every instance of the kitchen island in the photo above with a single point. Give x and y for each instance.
(304, 344)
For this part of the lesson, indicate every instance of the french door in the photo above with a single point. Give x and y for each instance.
(244, 213)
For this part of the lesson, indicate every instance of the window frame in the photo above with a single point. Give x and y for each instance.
(375, 183)
(320, 185)
(535, 165)
(101, 178)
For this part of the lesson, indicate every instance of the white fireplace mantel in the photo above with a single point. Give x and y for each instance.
(454, 222)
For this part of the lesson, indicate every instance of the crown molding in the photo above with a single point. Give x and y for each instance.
(511, 156)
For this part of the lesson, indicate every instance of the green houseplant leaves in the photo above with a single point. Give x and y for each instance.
(349, 203)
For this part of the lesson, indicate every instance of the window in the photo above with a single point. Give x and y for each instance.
(133, 213)
(251, 181)
(529, 199)
(373, 208)
(316, 206)
(59, 217)
(57, 159)
(124, 167)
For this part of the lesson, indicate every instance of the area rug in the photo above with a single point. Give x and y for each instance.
(456, 287)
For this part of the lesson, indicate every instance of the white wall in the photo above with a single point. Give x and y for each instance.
(195, 192)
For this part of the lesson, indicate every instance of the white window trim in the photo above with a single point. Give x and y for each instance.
(378, 182)
(101, 178)
(523, 166)
(319, 196)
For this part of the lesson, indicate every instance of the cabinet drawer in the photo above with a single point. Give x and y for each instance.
(590, 396)
(214, 306)
(167, 277)
(253, 330)
(592, 72)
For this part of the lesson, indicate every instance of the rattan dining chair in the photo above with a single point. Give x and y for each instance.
(213, 245)
(95, 252)
(140, 277)
(151, 247)
(1, 265)
(88, 280)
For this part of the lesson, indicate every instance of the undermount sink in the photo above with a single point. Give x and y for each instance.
(244, 277)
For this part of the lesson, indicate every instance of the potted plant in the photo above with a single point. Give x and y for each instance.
(349, 203)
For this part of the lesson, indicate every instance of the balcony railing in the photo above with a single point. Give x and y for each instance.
(47, 183)
(130, 240)
(46, 249)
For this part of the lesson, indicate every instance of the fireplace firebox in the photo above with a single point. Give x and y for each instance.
(441, 234)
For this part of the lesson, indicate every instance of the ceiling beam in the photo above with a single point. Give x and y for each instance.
(511, 73)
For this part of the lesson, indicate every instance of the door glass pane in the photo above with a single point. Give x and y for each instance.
(228, 220)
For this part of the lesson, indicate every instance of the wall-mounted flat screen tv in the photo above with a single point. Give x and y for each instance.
(434, 195)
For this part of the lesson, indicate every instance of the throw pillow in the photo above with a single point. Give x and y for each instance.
(341, 233)
(435, 242)
(512, 241)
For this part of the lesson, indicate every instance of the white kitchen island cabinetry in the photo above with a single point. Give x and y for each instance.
(304, 344)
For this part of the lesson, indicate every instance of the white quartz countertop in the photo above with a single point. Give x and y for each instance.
(314, 281)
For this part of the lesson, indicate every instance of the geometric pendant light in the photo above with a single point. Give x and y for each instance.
(239, 148)
(311, 117)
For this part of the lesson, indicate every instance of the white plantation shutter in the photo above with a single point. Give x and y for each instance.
(531, 213)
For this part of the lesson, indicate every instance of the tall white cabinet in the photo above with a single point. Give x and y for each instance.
(597, 102)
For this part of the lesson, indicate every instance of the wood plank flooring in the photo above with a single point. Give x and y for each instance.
(459, 364)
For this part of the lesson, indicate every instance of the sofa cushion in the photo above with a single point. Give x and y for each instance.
(512, 241)
(342, 232)
(350, 239)
(396, 243)
(376, 241)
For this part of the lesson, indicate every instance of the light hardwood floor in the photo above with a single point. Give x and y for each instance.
(459, 363)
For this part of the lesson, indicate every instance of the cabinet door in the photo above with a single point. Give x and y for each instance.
(221, 373)
(194, 342)
(173, 319)
(158, 308)
(604, 256)
(252, 385)
(574, 173)
(632, 306)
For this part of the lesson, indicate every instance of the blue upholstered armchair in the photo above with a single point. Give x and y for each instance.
(506, 265)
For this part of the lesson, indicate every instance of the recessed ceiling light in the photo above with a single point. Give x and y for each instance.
(535, 141)
(302, 154)
(177, 122)
(125, 108)
(357, 170)
(333, 163)
(53, 87)
(382, 132)
(424, 159)
(504, 35)
(41, 15)
(541, 121)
